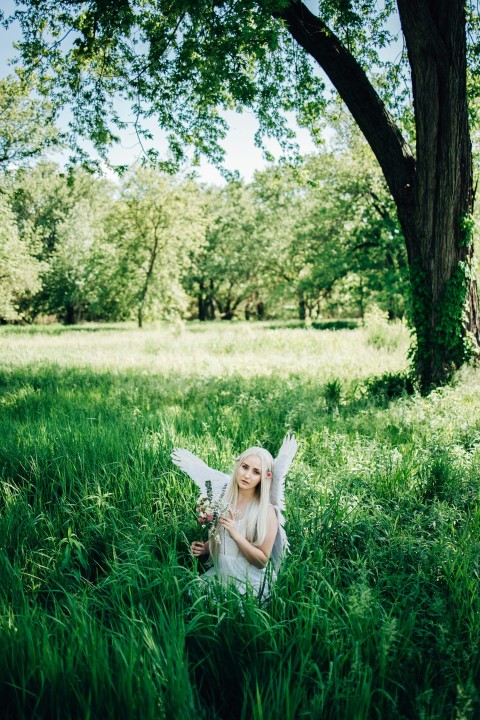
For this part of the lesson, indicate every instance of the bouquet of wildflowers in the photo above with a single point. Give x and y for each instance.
(205, 511)
(209, 510)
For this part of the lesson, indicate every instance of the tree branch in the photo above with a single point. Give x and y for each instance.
(377, 204)
(355, 89)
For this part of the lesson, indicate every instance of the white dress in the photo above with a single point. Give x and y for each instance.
(231, 566)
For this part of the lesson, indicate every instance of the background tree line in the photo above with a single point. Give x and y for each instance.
(318, 238)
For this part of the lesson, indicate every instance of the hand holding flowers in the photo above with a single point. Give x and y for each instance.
(199, 548)
(215, 514)
(229, 522)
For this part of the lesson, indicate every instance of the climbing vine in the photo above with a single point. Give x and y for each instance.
(467, 226)
(453, 316)
(448, 338)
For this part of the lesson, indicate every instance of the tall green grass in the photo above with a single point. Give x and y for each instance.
(375, 613)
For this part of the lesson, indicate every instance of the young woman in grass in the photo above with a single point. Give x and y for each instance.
(249, 525)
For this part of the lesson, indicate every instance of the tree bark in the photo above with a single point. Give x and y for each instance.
(439, 250)
(432, 191)
(210, 301)
(202, 302)
(148, 275)
(302, 308)
(69, 314)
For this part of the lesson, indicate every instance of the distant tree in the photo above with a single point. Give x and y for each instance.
(66, 213)
(19, 268)
(366, 241)
(229, 271)
(80, 281)
(41, 198)
(328, 219)
(280, 201)
(160, 227)
(106, 257)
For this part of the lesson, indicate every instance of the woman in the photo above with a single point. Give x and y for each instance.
(250, 529)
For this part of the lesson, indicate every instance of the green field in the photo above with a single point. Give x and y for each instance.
(376, 611)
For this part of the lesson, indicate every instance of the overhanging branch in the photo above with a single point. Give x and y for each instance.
(355, 89)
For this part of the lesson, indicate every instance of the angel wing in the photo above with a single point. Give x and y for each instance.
(199, 471)
(280, 545)
(280, 468)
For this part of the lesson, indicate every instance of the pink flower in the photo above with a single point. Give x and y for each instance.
(209, 517)
(268, 475)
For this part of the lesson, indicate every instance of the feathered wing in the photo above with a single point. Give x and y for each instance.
(281, 466)
(280, 545)
(199, 471)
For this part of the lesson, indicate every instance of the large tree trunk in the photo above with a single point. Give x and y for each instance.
(436, 226)
(432, 191)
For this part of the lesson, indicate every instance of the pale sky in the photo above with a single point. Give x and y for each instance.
(241, 154)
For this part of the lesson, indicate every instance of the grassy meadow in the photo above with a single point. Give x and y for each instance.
(376, 610)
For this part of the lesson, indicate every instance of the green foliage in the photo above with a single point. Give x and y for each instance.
(67, 215)
(332, 393)
(232, 266)
(161, 226)
(380, 332)
(20, 269)
(375, 611)
(452, 315)
(41, 198)
(332, 231)
(106, 252)
(234, 55)
(389, 386)
(315, 239)
(26, 123)
(80, 281)
(447, 341)
(467, 226)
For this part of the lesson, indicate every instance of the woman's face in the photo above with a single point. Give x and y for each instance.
(249, 473)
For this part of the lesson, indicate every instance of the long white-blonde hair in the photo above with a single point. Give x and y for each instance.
(256, 514)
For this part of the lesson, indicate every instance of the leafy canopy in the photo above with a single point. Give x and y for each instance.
(119, 64)
(26, 123)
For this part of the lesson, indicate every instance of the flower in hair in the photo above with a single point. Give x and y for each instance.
(269, 474)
